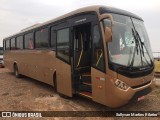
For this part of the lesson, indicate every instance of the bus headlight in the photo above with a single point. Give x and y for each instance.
(120, 84)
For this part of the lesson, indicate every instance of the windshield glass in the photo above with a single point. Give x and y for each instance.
(130, 45)
(141, 33)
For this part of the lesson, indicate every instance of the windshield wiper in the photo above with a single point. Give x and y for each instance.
(135, 49)
(142, 44)
(139, 48)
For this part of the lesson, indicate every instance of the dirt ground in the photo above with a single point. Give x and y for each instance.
(26, 94)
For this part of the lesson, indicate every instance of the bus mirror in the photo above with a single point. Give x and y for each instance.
(108, 34)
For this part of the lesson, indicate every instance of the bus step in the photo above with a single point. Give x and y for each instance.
(86, 78)
(86, 94)
(86, 83)
(84, 87)
(86, 74)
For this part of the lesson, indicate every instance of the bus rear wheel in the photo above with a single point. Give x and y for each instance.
(16, 73)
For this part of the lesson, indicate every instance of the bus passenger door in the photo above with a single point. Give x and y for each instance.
(63, 67)
(98, 66)
(81, 63)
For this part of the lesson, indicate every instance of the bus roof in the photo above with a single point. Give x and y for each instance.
(99, 9)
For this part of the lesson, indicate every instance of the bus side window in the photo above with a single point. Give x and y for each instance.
(13, 44)
(63, 44)
(19, 42)
(7, 43)
(28, 41)
(41, 38)
(53, 38)
(97, 49)
(4, 45)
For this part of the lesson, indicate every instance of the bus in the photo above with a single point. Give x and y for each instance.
(98, 52)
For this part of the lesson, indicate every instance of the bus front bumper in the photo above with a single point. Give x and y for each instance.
(121, 97)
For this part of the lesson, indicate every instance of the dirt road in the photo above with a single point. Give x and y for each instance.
(26, 94)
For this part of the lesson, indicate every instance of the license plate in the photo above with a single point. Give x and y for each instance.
(141, 98)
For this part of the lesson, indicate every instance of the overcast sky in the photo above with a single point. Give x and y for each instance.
(18, 14)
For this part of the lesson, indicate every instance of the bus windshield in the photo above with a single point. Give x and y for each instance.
(130, 45)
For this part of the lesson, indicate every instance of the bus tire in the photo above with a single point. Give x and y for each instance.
(55, 82)
(16, 72)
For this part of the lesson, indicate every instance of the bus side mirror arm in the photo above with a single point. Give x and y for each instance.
(108, 34)
(108, 30)
(103, 16)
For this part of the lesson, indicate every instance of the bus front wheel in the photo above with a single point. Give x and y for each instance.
(16, 73)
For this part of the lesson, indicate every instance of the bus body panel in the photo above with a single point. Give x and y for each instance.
(98, 86)
(63, 75)
(36, 64)
(133, 82)
(117, 97)
(41, 65)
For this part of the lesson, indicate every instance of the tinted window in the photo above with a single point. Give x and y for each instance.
(7, 44)
(28, 41)
(4, 45)
(63, 44)
(13, 44)
(1, 50)
(53, 38)
(41, 38)
(97, 58)
(19, 42)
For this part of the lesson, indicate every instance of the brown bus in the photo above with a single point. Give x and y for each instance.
(98, 52)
